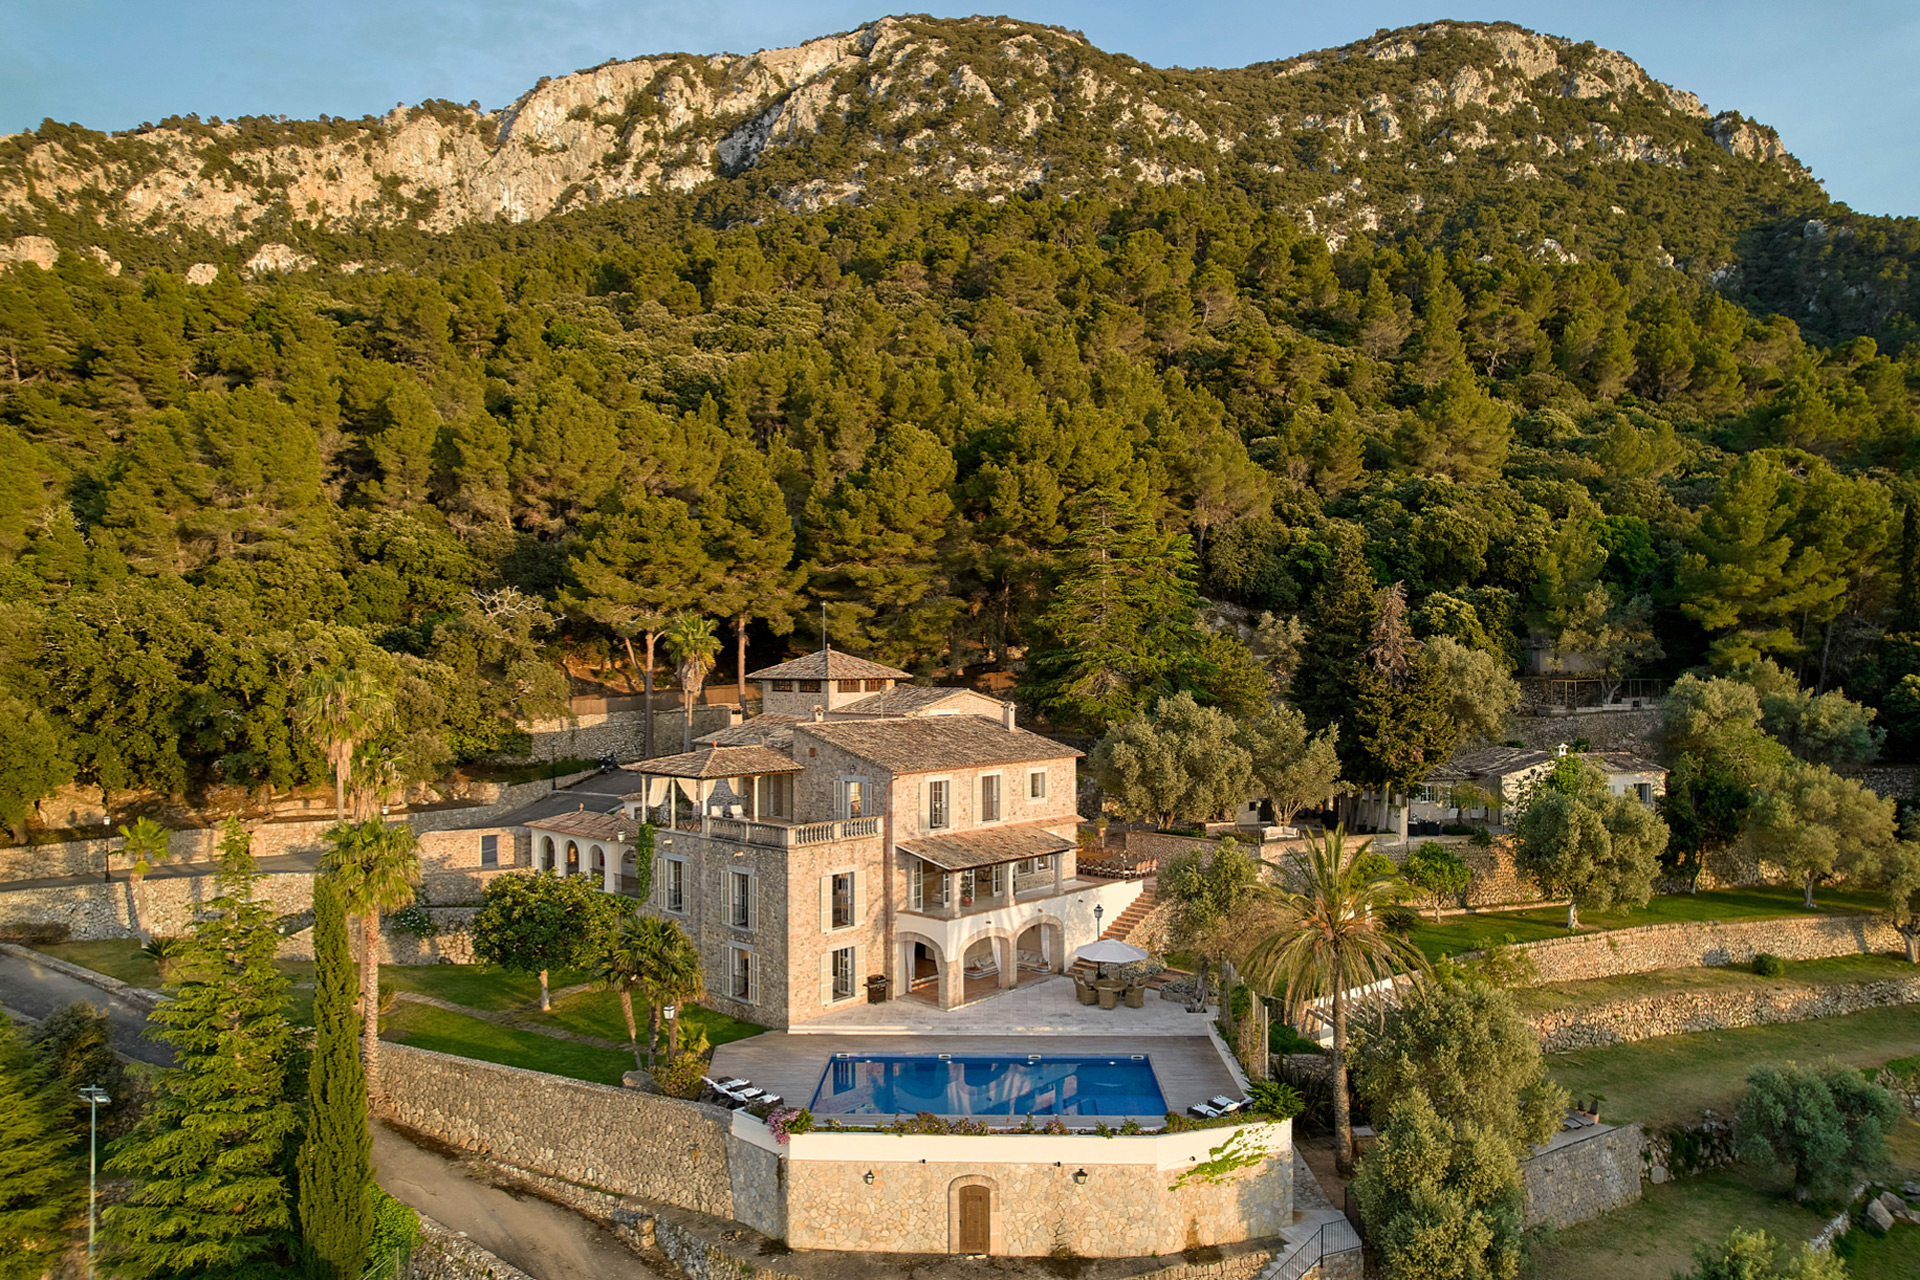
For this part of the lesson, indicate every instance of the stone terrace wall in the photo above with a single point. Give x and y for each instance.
(625, 1142)
(445, 1255)
(1682, 1012)
(1708, 944)
(1585, 1177)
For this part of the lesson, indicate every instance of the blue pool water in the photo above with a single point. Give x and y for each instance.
(988, 1085)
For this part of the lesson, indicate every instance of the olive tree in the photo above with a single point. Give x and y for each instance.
(1179, 760)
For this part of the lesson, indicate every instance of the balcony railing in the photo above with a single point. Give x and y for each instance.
(778, 835)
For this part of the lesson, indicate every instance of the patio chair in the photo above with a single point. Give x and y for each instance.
(1137, 995)
(1084, 990)
(1109, 997)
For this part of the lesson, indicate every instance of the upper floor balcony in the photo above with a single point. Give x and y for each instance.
(772, 832)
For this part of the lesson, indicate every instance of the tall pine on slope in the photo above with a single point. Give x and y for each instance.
(208, 1160)
(1121, 628)
(40, 1174)
(336, 1219)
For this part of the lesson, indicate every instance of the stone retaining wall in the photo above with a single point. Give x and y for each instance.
(1685, 1012)
(1708, 944)
(445, 1255)
(622, 1141)
(1590, 1174)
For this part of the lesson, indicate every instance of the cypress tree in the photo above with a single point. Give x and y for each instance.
(208, 1159)
(335, 1214)
(42, 1175)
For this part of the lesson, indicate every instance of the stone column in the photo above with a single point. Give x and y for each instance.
(560, 861)
(1006, 885)
(953, 988)
(539, 853)
(610, 867)
(1009, 962)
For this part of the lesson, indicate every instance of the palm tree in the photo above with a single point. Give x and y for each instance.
(621, 967)
(378, 868)
(670, 973)
(145, 843)
(339, 709)
(1330, 944)
(695, 645)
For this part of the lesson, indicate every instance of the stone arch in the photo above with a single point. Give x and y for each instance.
(964, 1200)
(910, 943)
(573, 860)
(546, 853)
(1044, 936)
(998, 940)
(596, 861)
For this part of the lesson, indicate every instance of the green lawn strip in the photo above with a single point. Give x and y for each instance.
(1458, 934)
(116, 957)
(1653, 1239)
(1552, 996)
(1894, 1256)
(1673, 1078)
(426, 1027)
(597, 1013)
(477, 986)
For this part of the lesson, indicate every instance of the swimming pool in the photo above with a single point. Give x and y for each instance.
(958, 1084)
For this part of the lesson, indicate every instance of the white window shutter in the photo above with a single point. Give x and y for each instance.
(658, 890)
(826, 977)
(859, 897)
(753, 902)
(926, 818)
(826, 903)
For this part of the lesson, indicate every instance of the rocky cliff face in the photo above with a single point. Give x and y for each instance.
(981, 106)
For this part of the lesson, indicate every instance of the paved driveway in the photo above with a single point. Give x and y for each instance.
(36, 990)
(542, 1239)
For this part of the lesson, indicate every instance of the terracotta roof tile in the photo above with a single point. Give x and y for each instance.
(986, 847)
(716, 762)
(588, 826)
(928, 743)
(904, 700)
(829, 664)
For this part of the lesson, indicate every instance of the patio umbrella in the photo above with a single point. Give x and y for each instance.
(1106, 951)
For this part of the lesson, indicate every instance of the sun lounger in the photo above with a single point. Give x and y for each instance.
(1216, 1106)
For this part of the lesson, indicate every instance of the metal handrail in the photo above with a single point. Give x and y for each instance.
(1331, 1241)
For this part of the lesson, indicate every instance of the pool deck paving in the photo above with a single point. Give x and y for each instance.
(1188, 1068)
(1044, 1008)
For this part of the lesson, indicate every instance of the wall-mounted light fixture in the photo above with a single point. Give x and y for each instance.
(867, 1177)
(1080, 1177)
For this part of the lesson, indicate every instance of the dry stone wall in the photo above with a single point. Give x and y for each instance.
(622, 1141)
(1708, 944)
(1592, 1173)
(1681, 1013)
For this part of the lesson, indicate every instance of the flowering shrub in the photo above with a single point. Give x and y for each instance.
(787, 1121)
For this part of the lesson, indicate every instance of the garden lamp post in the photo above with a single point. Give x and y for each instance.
(95, 1097)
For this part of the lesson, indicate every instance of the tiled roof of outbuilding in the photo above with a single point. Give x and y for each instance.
(588, 826)
(829, 664)
(928, 743)
(902, 700)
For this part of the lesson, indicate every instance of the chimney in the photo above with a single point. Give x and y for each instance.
(733, 716)
(819, 713)
(1007, 715)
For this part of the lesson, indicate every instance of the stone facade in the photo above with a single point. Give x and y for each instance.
(1684, 1012)
(1127, 1205)
(602, 727)
(1708, 944)
(1589, 1173)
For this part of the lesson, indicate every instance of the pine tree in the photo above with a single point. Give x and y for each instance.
(41, 1177)
(208, 1160)
(1339, 625)
(750, 534)
(1121, 628)
(335, 1213)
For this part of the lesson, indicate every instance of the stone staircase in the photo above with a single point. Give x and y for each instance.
(1125, 923)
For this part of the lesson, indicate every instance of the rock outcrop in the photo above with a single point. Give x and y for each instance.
(984, 107)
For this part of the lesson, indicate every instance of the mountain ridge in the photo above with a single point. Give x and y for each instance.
(969, 106)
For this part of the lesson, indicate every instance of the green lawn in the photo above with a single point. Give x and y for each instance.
(1894, 1256)
(426, 1027)
(477, 986)
(1460, 934)
(122, 958)
(1673, 1078)
(597, 1013)
(1654, 1238)
(1566, 995)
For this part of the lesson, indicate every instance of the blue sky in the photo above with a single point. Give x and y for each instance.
(1836, 78)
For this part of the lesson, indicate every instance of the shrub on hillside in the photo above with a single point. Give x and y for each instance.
(1768, 965)
(680, 1077)
(1824, 1124)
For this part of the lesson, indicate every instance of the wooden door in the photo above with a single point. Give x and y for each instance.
(976, 1220)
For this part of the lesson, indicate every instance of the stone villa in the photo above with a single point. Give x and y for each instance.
(859, 830)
